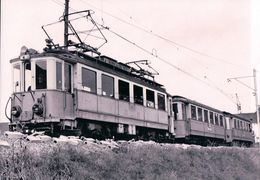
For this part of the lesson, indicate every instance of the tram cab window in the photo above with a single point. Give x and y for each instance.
(89, 81)
(27, 76)
(68, 79)
(211, 117)
(199, 114)
(138, 95)
(107, 86)
(161, 101)
(17, 77)
(58, 75)
(150, 98)
(206, 116)
(193, 112)
(41, 74)
(123, 89)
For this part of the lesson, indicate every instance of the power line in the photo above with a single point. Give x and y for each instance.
(175, 44)
(165, 61)
(168, 63)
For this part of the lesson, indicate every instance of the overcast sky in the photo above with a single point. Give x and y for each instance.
(217, 39)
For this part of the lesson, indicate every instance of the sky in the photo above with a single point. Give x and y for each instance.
(200, 44)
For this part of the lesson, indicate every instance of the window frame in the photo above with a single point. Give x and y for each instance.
(211, 120)
(46, 74)
(221, 120)
(163, 107)
(135, 87)
(204, 112)
(193, 112)
(200, 118)
(57, 84)
(150, 103)
(216, 117)
(70, 78)
(25, 82)
(19, 76)
(122, 96)
(102, 85)
(84, 87)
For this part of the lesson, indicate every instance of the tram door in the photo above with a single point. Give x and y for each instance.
(68, 73)
(228, 129)
(179, 115)
(179, 111)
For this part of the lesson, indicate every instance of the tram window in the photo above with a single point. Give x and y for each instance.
(183, 107)
(161, 101)
(175, 110)
(221, 120)
(206, 116)
(41, 75)
(193, 112)
(58, 75)
(27, 77)
(138, 95)
(123, 90)
(89, 81)
(235, 123)
(216, 119)
(16, 77)
(211, 118)
(238, 124)
(199, 114)
(107, 86)
(150, 98)
(67, 74)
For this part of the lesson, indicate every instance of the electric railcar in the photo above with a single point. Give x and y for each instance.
(198, 123)
(68, 91)
(64, 91)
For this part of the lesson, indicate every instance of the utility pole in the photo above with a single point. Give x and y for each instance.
(257, 108)
(66, 23)
(239, 110)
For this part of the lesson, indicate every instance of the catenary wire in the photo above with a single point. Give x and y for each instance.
(175, 44)
(163, 60)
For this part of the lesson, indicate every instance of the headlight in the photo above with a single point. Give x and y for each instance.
(16, 111)
(37, 109)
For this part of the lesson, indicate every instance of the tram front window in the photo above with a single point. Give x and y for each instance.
(27, 77)
(17, 77)
(41, 75)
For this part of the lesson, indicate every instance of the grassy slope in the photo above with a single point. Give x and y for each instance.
(129, 161)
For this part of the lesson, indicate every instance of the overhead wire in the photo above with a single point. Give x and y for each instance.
(175, 44)
(168, 63)
(162, 59)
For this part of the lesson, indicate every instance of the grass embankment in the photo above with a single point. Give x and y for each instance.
(129, 161)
